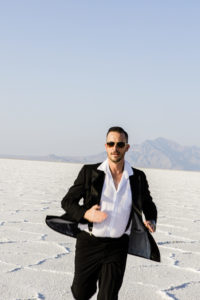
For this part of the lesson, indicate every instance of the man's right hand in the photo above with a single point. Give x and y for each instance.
(95, 215)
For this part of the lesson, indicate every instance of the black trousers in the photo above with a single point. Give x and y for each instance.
(101, 260)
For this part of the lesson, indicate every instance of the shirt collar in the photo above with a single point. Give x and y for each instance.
(104, 166)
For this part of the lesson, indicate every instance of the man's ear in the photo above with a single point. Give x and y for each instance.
(127, 147)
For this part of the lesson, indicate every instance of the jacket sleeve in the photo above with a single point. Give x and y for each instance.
(148, 206)
(70, 203)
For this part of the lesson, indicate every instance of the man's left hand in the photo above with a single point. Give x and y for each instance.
(150, 225)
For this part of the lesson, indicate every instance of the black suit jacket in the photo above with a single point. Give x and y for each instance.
(88, 186)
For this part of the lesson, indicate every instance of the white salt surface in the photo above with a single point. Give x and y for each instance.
(37, 263)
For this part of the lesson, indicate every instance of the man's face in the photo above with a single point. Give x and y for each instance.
(116, 153)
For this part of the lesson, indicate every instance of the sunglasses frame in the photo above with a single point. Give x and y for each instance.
(118, 144)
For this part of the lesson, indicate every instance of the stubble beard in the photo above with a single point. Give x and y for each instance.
(117, 159)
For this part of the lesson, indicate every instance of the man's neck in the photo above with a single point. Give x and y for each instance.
(116, 167)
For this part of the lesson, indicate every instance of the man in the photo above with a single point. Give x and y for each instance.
(109, 220)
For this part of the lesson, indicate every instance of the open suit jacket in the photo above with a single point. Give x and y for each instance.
(88, 186)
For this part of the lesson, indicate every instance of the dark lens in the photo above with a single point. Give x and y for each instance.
(110, 144)
(120, 144)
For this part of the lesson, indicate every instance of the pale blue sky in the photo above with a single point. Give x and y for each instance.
(71, 69)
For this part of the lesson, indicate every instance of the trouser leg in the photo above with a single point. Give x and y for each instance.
(99, 259)
(112, 270)
(87, 266)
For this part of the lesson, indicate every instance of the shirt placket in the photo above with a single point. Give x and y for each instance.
(116, 203)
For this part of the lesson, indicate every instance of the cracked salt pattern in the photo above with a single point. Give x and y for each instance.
(37, 263)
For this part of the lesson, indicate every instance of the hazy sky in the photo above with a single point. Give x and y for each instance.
(71, 69)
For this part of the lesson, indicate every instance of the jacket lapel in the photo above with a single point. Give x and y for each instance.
(135, 192)
(97, 181)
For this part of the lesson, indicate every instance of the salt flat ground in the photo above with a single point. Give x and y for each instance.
(37, 263)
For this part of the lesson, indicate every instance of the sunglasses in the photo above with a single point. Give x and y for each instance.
(119, 144)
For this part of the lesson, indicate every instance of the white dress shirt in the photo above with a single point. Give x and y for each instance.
(116, 203)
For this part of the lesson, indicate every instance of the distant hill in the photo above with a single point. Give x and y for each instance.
(165, 154)
(159, 153)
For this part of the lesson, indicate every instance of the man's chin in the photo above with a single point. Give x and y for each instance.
(116, 159)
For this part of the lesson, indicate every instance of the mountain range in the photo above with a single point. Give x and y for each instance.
(159, 153)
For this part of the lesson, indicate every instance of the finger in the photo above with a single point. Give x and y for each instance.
(149, 226)
(100, 217)
(152, 227)
(104, 215)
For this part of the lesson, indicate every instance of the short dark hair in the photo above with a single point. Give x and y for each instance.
(119, 130)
